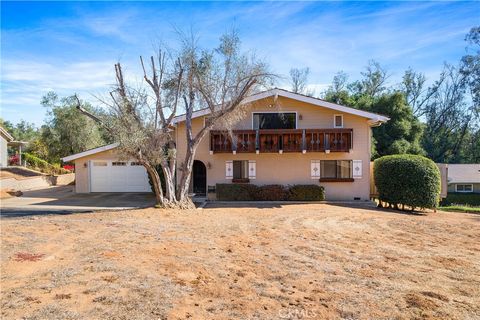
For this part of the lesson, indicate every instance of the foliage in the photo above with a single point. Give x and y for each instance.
(22, 131)
(236, 191)
(306, 192)
(251, 192)
(460, 198)
(403, 132)
(457, 208)
(42, 165)
(409, 180)
(65, 132)
(14, 160)
(273, 192)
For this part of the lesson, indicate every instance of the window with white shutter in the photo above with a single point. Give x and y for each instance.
(315, 169)
(229, 170)
(357, 169)
(252, 169)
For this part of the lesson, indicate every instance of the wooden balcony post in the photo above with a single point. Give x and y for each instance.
(257, 141)
(304, 141)
(211, 142)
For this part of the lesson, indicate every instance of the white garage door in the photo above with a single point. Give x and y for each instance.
(118, 176)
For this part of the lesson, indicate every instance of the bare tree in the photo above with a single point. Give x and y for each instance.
(299, 80)
(141, 120)
(218, 80)
(374, 80)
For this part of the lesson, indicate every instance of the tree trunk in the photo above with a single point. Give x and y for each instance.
(157, 186)
(169, 183)
(187, 168)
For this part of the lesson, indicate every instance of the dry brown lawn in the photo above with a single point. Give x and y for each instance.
(314, 261)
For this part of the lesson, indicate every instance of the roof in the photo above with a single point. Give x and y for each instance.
(90, 152)
(464, 173)
(5, 134)
(375, 119)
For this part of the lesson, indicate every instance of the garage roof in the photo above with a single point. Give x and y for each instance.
(90, 152)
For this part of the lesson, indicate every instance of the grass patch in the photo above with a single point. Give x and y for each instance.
(461, 208)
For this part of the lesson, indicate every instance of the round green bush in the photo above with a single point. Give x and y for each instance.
(407, 180)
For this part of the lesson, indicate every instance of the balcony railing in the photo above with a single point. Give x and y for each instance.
(284, 140)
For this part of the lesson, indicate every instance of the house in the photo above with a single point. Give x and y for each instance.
(5, 138)
(464, 178)
(283, 138)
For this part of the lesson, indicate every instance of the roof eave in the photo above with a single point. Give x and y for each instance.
(89, 152)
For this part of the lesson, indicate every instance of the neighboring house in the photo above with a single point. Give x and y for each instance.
(5, 138)
(284, 138)
(464, 178)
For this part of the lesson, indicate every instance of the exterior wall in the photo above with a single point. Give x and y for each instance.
(3, 152)
(81, 169)
(290, 168)
(476, 187)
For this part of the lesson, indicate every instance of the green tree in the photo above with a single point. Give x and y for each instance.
(403, 133)
(66, 131)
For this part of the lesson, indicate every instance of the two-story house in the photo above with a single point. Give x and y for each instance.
(284, 138)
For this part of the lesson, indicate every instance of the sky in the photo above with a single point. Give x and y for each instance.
(71, 47)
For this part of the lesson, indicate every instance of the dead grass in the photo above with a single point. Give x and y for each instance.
(293, 262)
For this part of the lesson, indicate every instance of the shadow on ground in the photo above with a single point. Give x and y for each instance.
(63, 200)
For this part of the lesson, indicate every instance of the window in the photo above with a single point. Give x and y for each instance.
(464, 187)
(99, 164)
(336, 169)
(135, 164)
(338, 121)
(275, 120)
(240, 169)
(118, 164)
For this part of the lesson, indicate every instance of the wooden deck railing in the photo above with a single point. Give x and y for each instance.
(285, 140)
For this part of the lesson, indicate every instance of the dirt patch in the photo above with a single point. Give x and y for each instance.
(26, 256)
(285, 262)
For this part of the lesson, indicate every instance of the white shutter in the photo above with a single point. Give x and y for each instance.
(229, 170)
(252, 169)
(357, 169)
(315, 169)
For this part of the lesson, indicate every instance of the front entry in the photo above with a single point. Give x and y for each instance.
(199, 178)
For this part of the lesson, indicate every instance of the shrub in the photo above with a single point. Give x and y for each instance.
(273, 192)
(236, 192)
(471, 199)
(407, 180)
(306, 192)
(42, 165)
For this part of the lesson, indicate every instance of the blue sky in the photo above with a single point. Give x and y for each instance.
(71, 46)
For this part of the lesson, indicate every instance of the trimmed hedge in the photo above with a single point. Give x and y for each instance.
(236, 192)
(42, 165)
(407, 179)
(274, 192)
(471, 199)
(306, 192)
(251, 192)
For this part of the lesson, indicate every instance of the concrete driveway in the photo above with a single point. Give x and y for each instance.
(62, 200)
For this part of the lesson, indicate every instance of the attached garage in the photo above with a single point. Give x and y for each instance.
(102, 170)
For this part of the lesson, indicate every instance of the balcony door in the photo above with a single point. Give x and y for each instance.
(274, 120)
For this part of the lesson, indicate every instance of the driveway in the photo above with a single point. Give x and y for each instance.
(63, 200)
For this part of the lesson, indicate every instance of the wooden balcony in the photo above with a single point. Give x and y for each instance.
(280, 141)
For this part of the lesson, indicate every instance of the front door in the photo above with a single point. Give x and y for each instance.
(199, 178)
